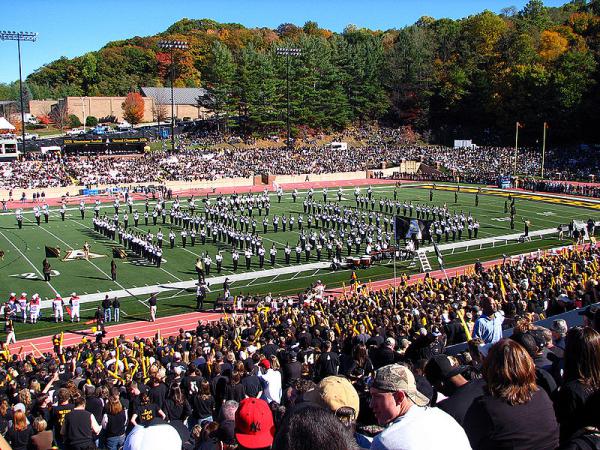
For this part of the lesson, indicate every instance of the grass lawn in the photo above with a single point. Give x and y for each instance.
(20, 271)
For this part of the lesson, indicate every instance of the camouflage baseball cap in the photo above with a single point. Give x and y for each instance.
(396, 377)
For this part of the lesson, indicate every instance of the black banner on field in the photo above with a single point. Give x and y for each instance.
(409, 228)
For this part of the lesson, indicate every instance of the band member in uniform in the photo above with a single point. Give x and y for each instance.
(19, 216)
(159, 238)
(172, 238)
(235, 257)
(248, 255)
(201, 292)
(82, 209)
(199, 269)
(63, 210)
(219, 259)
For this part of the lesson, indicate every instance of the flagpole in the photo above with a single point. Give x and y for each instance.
(516, 146)
(395, 250)
(544, 148)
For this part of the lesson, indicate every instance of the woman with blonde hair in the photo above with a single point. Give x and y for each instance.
(275, 365)
(514, 412)
(42, 439)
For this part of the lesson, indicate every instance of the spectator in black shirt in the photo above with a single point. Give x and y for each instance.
(94, 402)
(114, 423)
(203, 406)
(176, 405)
(59, 413)
(291, 370)
(446, 376)
(455, 332)
(384, 354)
(514, 412)
(157, 391)
(581, 381)
(235, 390)
(269, 349)
(19, 432)
(328, 362)
(79, 427)
(147, 412)
(360, 361)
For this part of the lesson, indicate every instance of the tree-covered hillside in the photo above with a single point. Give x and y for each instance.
(473, 77)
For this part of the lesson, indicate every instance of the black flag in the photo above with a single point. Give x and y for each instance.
(440, 258)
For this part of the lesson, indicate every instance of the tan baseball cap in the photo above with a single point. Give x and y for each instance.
(333, 393)
(396, 377)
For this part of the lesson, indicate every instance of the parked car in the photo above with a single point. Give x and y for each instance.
(101, 129)
(124, 126)
(28, 137)
(76, 132)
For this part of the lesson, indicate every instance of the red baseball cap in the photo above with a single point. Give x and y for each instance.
(265, 363)
(254, 426)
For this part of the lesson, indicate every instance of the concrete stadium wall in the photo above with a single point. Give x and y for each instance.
(175, 185)
(189, 185)
(301, 178)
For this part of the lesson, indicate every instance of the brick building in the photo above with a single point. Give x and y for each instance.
(188, 102)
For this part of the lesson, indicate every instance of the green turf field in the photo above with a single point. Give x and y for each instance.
(20, 271)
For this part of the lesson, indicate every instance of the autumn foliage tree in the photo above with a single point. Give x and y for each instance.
(133, 108)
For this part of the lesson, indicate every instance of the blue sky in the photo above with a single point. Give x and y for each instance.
(71, 28)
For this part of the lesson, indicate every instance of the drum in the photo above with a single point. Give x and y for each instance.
(356, 263)
(365, 261)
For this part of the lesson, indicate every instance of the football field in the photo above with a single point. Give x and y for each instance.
(24, 251)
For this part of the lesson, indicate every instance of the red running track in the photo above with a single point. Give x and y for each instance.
(451, 272)
(168, 326)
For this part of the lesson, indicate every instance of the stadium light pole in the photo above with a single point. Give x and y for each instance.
(544, 148)
(19, 36)
(287, 52)
(172, 46)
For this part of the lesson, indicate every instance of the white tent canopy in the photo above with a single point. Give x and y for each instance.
(5, 124)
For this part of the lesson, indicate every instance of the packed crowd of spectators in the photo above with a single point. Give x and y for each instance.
(195, 164)
(36, 171)
(210, 154)
(365, 369)
(562, 187)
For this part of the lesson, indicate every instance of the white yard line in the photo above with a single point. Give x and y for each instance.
(108, 277)
(29, 261)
